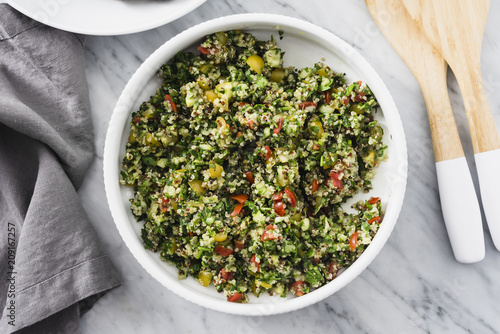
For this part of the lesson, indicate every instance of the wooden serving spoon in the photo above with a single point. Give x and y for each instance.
(456, 28)
(458, 198)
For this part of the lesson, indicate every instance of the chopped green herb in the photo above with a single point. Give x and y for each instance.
(240, 166)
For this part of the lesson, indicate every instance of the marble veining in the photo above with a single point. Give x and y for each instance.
(413, 286)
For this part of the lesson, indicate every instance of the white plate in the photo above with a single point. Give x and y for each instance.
(105, 17)
(304, 44)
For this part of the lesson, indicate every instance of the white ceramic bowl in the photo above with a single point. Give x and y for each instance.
(304, 44)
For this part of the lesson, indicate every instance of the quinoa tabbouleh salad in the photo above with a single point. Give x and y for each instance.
(240, 165)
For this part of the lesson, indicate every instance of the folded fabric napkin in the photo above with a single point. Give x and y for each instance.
(50, 256)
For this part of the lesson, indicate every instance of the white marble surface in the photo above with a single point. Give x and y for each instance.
(413, 286)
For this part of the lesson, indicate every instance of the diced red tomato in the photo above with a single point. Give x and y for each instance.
(239, 245)
(172, 104)
(278, 196)
(280, 126)
(353, 241)
(239, 134)
(346, 100)
(291, 197)
(137, 119)
(241, 198)
(251, 123)
(331, 269)
(249, 177)
(237, 210)
(268, 152)
(328, 96)
(279, 208)
(221, 250)
(207, 51)
(204, 50)
(338, 184)
(373, 200)
(235, 297)
(163, 204)
(298, 286)
(315, 186)
(375, 220)
(227, 275)
(254, 261)
(359, 97)
(334, 178)
(307, 104)
(359, 83)
(268, 234)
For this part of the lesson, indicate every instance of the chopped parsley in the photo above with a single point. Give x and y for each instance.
(240, 166)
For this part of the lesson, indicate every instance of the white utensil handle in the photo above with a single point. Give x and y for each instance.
(488, 171)
(461, 212)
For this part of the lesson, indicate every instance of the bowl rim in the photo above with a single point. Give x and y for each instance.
(111, 163)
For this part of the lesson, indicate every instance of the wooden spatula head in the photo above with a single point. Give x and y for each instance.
(451, 25)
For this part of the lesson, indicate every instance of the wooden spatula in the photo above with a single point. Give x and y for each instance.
(456, 28)
(458, 198)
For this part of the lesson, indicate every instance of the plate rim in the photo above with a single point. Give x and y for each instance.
(148, 25)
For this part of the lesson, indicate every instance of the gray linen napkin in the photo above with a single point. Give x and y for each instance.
(50, 257)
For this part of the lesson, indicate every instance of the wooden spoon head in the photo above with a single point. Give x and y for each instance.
(428, 67)
(456, 28)
(406, 38)
(451, 25)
